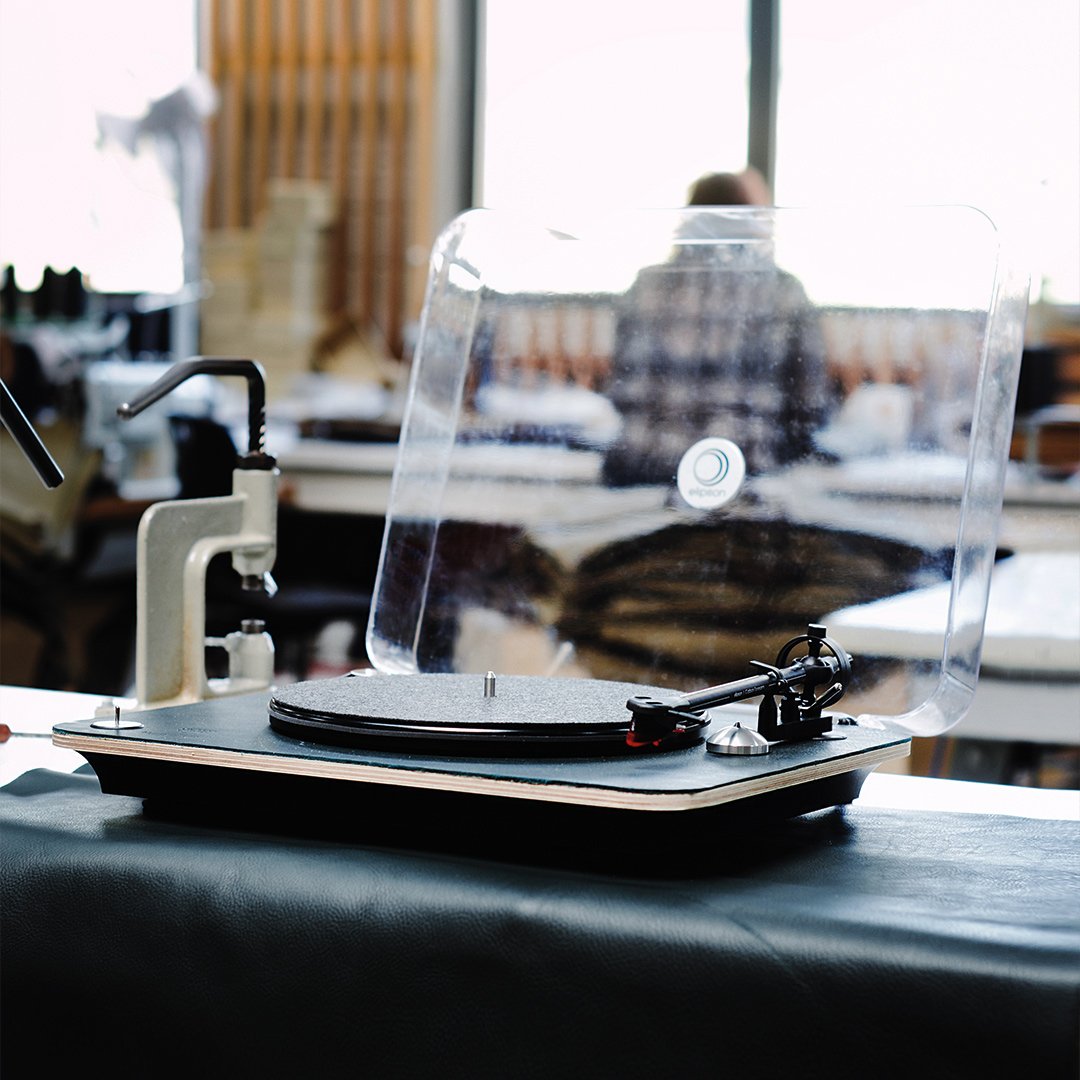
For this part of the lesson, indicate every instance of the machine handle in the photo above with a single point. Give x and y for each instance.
(214, 365)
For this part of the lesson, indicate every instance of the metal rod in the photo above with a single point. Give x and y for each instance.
(22, 431)
(764, 80)
(727, 693)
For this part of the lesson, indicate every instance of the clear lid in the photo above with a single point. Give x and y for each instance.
(654, 448)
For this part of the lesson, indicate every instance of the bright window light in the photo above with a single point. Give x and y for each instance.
(67, 199)
(589, 107)
(940, 101)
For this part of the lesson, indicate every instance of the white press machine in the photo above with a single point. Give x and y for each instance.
(177, 540)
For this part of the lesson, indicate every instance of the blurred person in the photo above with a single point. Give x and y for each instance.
(716, 341)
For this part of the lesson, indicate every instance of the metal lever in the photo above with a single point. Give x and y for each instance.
(251, 370)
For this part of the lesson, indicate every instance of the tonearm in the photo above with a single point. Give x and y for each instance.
(793, 693)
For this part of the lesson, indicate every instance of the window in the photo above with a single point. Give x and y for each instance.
(940, 101)
(65, 199)
(592, 107)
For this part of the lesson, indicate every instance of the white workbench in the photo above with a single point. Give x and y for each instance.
(1029, 689)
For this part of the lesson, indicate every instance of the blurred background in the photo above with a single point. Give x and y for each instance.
(267, 178)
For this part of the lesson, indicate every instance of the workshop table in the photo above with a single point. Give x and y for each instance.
(859, 941)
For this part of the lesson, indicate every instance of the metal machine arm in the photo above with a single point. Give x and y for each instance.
(214, 365)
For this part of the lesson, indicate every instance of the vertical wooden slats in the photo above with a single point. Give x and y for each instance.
(262, 107)
(288, 104)
(315, 97)
(211, 35)
(340, 91)
(397, 117)
(236, 89)
(423, 33)
(213, 14)
(341, 139)
(341, 133)
(370, 61)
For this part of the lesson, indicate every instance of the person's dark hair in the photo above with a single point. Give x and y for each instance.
(719, 189)
(746, 188)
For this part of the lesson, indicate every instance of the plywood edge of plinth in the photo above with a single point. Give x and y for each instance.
(432, 779)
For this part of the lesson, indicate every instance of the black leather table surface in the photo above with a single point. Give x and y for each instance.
(855, 942)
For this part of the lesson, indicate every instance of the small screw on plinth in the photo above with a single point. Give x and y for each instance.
(489, 684)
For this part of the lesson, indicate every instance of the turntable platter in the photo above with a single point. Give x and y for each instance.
(523, 715)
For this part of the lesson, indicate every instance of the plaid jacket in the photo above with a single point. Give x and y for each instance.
(716, 341)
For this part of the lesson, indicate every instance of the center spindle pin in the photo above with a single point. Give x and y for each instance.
(489, 684)
(115, 724)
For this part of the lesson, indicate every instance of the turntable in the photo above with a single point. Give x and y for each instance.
(615, 608)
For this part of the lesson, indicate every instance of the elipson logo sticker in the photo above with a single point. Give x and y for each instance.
(711, 473)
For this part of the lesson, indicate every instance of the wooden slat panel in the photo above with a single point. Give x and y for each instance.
(233, 107)
(341, 136)
(341, 130)
(341, 91)
(214, 15)
(288, 103)
(261, 112)
(397, 120)
(315, 97)
(367, 251)
(423, 34)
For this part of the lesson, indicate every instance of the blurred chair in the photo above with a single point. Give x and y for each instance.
(41, 551)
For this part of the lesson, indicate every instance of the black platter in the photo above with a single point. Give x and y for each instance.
(518, 715)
